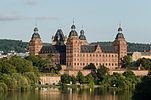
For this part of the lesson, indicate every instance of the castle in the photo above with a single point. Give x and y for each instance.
(75, 52)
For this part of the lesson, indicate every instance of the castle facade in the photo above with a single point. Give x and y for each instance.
(75, 52)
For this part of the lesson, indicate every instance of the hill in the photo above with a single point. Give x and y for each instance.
(7, 45)
(16, 45)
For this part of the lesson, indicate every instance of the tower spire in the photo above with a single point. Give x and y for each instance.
(120, 24)
(73, 21)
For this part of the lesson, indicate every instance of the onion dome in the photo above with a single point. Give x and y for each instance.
(73, 27)
(35, 29)
(82, 36)
(119, 29)
(35, 35)
(120, 34)
(73, 31)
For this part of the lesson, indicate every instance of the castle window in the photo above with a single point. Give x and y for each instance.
(112, 64)
(74, 63)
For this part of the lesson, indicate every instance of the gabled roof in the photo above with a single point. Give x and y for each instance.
(53, 49)
(92, 48)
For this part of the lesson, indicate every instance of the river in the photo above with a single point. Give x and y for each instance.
(66, 94)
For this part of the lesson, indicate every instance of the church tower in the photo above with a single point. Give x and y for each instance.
(35, 43)
(73, 49)
(121, 45)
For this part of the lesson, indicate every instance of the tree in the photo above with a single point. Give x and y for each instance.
(22, 81)
(101, 72)
(146, 63)
(3, 87)
(65, 78)
(143, 89)
(119, 81)
(126, 62)
(90, 80)
(80, 78)
(21, 65)
(90, 66)
(32, 77)
(6, 67)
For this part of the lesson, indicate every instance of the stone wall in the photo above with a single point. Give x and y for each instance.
(136, 72)
(50, 80)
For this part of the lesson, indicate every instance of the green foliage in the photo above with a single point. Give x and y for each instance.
(90, 66)
(80, 78)
(127, 61)
(101, 72)
(73, 79)
(58, 67)
(146, 63)
(143, 89)
(22, 82)
(19, 46)
(32, 77)
(6, 67)
(132, 47)
(65, 78)
(3, 87)
(17, 73)
(21, 65)
(90, 80)
(16, 45)
(44, 65)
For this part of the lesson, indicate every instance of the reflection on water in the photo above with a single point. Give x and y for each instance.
(66, 94)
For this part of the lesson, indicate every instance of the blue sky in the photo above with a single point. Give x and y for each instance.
(99, 18)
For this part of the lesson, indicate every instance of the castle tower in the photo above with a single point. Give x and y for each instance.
(59, 38)
(73, 49)
(121, 45)
(35, 43)
(82, 38)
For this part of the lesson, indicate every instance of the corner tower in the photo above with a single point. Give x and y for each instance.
(82, 37)
(73, 49)
(121, 45)
(35, 43)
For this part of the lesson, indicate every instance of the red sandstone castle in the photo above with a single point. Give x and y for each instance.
(75, 52)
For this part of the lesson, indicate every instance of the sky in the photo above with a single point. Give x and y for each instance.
(100, 19)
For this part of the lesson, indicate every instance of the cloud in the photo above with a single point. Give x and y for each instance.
(13, 16)
(30, 2)
(9, 16)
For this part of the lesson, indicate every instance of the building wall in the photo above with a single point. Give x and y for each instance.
(50, 80)
(136, 72)
(107, 59)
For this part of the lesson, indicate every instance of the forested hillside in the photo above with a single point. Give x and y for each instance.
(16, 45)
(132, 47)
(20, 46)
